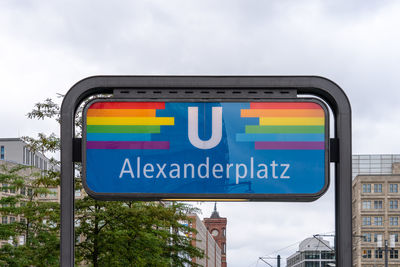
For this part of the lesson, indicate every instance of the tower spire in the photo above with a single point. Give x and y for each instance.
(215, 213)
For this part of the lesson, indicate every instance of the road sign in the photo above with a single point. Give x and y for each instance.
(195, 150)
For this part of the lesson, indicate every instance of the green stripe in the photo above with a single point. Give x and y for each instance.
(123, 128)
(284, 129)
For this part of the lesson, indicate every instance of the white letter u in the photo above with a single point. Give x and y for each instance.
(193, 128)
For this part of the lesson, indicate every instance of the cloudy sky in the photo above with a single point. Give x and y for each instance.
(47, 46)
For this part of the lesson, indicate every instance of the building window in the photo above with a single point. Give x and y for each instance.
(22, 191)
(378, 221)
(366, 221)
(393, 204)
(5, 188)
(223, 232)
(366, 205)
(394, 254)
(22, 221)
(2, 152)
(12, 219)
(378, 253)
(223, 248)
(366, 188)
(367, 253)
(393, 188)
(377, 204)
(4, 220)
(78, 193)
(378, 188)
(12, 190)
(395, 237)
(393, 221)
(377, 237)
(367, 237)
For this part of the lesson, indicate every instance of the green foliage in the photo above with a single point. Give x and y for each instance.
(114, 233)
(36, 221)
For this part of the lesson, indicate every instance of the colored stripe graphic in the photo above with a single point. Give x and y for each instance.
(280, 137)
(285, 126)
(125, 125)
(291, 121)
(127, 145)
(284, 129)
(121, 113)
(284, 105)
(123, 128)
(128, 105)
(130, 121)
(254, 113)
(290, 145)
(117, 137)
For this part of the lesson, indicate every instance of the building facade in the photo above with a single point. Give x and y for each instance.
(313, 252)
(216, 225)
(376, 213)
(204, 241)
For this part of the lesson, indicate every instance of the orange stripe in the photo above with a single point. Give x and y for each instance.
(284, 105)
(121, 113)
(255, 113)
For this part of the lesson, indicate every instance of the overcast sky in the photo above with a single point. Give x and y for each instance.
(47, 46)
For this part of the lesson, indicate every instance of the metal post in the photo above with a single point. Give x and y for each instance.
(279, 260)
(386, 253)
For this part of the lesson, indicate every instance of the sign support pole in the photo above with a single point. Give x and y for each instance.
(308, 85)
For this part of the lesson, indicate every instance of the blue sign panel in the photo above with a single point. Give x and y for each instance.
(195, 150)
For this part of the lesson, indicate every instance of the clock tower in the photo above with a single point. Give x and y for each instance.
(216, 225)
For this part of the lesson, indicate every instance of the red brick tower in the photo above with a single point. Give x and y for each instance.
(217, 227)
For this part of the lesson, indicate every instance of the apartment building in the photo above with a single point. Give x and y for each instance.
(376, 212)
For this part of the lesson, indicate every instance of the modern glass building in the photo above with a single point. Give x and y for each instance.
(313, 252)
(373, 164)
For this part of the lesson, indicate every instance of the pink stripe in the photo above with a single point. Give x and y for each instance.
(127, 144)
(290, 145)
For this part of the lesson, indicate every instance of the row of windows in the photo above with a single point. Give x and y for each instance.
(393, 253)
(378, 221)
(11, 219)
(367, 237)
(6, 188)
(366, 188)
(378, 204)
(28, 191)
(29, 158)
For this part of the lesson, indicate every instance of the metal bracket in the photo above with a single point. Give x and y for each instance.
(77, 150)
(334, 150)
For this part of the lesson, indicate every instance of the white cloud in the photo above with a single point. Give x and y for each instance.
(47, 46)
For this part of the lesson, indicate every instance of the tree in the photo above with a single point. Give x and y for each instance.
(117, 233)
(31, 226)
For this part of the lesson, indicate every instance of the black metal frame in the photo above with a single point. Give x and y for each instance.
(256, 87)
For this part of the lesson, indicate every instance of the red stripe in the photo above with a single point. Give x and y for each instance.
(128, 105)
(284, 105)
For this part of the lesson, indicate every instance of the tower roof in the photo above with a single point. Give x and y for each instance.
(215, 214)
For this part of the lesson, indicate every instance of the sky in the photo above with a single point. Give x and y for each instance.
(47, 46)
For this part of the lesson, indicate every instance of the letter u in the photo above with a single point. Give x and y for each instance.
(193, 128)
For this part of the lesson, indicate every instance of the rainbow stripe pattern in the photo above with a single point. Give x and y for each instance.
(285, 126)
(125, 125)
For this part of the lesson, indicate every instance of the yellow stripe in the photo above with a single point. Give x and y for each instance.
(130, 121)
(292, 121)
